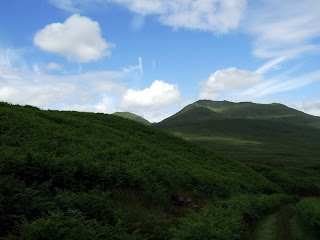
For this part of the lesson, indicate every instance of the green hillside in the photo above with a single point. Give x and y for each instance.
(248, 132)
(71, 175)
(132, 116)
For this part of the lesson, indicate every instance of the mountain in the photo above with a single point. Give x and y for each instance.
(132, 116)
(263, 133)
(274, 111)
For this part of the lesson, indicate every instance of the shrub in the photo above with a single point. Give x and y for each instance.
(308, 210)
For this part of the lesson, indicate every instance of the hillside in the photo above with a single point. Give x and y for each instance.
(71, 175)
(132, 116)
(248, 132)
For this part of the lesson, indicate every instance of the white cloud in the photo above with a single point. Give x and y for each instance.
(227, 79)
(218, 16)
(55, 67)
(66, 5)
(159, 94)
(53, 91)
(157, 115)
(311, 107)
(78, 39)
(283, 28)
(105, 105)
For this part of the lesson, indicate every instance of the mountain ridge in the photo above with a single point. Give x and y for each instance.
(250, 132)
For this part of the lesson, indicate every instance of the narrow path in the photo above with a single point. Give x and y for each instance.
(266, 228)
(282, 225)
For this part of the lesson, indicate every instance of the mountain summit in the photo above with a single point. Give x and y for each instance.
(250, 132)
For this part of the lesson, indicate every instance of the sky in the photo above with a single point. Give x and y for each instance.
(154, 57)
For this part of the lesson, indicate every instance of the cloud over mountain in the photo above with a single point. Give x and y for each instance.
(159, 94)
(227, 79)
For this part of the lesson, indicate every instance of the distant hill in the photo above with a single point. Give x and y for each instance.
(132, 116)
(249, 132)
(274, 111)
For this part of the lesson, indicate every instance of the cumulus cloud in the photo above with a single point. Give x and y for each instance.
(227, 79)
(159, 94)
(78, 39)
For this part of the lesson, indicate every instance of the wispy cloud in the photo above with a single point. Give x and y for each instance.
(54, 91)
(137, 22)
(55, 67)
(273, 86)
(273, 64)
(218, 16)
(283, 29)
(138, 67)
(66, 5)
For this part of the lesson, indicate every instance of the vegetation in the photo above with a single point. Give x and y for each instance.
(270, 134)
(308, 211)
(229, 219)
(132, 116)
(71, 175)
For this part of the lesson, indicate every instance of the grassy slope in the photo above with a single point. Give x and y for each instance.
(106, 174)
(132, 116)
(265, 133)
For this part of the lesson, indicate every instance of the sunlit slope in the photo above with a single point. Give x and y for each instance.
(250, 132)
(132, 116)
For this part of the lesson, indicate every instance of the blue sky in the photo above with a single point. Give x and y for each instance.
(153, 57)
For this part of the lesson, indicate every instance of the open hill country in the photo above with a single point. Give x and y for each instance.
(160, 120)
(73, 175)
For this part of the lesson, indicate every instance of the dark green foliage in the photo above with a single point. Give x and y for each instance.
(70, 225)
(105, 174)
(212, 223)
(308, 210)
(228, 219)
(290, 183)
(70, 175)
